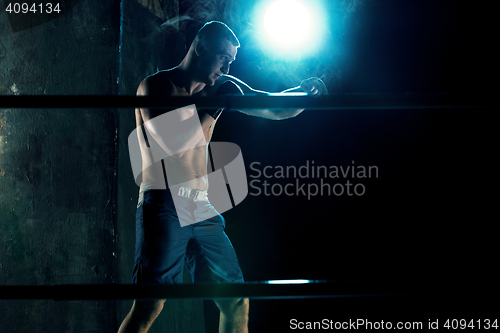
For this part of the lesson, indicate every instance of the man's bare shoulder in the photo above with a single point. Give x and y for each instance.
(157, 84)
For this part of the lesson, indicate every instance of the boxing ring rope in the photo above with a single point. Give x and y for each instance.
(261, 289)
(285, 289)
(275, 101)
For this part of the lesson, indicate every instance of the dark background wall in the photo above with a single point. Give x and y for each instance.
(67, 196)
(57, 167)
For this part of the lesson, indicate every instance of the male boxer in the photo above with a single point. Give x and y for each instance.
(163, 246)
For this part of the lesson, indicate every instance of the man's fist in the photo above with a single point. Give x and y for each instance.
(314, 86)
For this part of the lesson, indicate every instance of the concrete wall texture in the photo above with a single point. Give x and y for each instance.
(66, 197)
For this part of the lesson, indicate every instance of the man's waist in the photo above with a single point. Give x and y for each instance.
(182, 191)
(189, 192)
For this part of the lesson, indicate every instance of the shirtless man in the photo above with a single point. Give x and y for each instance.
(163, 246)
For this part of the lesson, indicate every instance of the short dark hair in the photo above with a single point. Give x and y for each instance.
(214, 31)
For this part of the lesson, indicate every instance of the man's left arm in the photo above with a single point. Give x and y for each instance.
(311, 86)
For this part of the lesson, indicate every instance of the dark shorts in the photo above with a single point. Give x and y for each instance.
(163, 247)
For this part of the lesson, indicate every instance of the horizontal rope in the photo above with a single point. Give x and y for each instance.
(238, 102)
(253, 290)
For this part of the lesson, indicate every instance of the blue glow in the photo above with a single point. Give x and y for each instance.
(298, 281)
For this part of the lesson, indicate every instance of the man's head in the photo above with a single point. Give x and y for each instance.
(215, 47)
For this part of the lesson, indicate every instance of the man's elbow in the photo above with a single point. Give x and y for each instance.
(273, 114)
(286, 114)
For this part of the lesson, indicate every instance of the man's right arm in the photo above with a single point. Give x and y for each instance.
(175, 131)
(312, 86)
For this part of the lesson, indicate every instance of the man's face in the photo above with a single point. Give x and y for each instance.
(216, 61)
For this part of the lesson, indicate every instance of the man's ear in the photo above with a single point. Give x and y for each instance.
(199, 48)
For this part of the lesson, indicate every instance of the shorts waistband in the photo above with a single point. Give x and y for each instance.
(192, 193)
(182, 191)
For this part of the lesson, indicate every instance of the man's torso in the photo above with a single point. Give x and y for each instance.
(190, 169)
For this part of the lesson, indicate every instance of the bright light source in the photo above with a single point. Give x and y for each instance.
(288, 94)
(290, 29)
(287, 22)
(298, 281)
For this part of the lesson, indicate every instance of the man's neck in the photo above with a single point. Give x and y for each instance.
(185, 78)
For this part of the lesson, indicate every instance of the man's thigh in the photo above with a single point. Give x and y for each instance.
(211, 256)
(160, 240)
